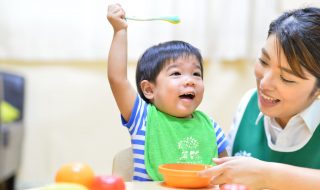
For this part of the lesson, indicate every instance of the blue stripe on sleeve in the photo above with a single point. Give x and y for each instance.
(137, 178)
(214, 124)
(141, 132)
(138, 160)
(140, 170)
(222, 146)
(135, 141)
(220, 140)
(133, 114)
(138, 151)
(218, 132)
(142, 122)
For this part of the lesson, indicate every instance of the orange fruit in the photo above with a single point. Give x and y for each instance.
(75, 172)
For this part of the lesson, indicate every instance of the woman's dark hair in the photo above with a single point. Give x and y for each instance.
(298, 34)
(154, 59)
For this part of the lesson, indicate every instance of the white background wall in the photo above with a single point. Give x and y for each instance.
(73, 29)
(70, 111)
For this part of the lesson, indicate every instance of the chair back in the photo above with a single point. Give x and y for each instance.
(123, 164)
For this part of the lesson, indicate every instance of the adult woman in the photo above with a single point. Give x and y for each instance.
(277, 127)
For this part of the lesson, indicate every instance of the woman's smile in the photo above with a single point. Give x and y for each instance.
(267, 101)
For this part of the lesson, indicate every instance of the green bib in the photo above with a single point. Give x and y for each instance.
(178, 140)
(251, 140)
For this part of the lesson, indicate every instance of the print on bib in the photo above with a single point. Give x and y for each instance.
(189, 148)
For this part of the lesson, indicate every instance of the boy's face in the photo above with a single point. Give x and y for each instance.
(179, 87)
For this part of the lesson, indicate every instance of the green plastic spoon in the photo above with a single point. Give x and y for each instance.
(171, 19)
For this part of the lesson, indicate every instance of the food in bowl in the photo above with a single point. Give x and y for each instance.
(184, 175)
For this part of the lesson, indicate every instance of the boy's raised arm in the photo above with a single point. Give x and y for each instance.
(122, 90)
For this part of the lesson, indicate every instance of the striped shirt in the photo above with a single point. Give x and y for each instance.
(137, 129)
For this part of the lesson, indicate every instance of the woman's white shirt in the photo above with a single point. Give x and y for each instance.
(294, 136)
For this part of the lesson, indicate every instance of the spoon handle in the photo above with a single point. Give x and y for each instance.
(142, 19)
(172, 20)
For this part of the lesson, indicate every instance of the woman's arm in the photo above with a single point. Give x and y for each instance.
(283, 176)
(257, 174)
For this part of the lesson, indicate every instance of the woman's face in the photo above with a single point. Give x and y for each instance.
(282, 94)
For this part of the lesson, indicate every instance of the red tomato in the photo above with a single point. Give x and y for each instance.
(75, 172)
(107, 183)
(234, 187)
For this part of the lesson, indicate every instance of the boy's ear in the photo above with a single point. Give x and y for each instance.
(147, 89)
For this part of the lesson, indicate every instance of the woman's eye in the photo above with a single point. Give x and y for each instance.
(262, 62)
(285, 80)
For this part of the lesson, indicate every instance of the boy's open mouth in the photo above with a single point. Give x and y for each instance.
(187, 96)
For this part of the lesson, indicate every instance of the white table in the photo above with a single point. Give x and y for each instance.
(156, 186)
(129, 186)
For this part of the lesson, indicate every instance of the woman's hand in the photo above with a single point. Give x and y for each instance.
(247, 171)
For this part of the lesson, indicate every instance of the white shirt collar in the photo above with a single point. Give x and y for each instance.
(310, 116)
(259, 117)
(298, 131)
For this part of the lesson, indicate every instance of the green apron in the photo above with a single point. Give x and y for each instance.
(251, 140)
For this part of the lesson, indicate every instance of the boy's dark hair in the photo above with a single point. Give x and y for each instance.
(154, 59)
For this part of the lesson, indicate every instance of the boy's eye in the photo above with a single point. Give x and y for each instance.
(175, 74)
(198, 74)
(285, 80)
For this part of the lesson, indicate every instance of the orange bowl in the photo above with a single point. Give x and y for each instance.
(184, 175)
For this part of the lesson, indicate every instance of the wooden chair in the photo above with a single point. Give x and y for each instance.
(123, 164)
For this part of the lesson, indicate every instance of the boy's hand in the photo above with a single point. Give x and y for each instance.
(116, 17)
